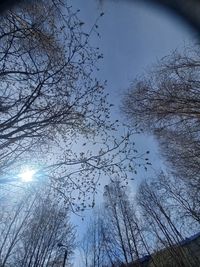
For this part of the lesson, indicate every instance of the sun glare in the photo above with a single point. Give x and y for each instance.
(27, 175)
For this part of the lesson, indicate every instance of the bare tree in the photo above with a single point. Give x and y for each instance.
(116, 235)
(125, 228)
(94, 248)
(170, 96)
(180, 197)
(182, 154)
(163, 222)
(54, 111)
(35, 231)
(167, 103)
(12, 225)
(47, 88)
(50, 237)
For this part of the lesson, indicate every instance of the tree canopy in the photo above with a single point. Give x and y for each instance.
(55, 116)
(166, 103)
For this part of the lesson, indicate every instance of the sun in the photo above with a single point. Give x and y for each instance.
(27, 175)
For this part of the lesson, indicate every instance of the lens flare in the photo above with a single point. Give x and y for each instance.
(27, 175)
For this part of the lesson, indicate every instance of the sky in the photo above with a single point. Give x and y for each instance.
(133, 37)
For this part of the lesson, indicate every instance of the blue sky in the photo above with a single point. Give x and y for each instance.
(133, 38)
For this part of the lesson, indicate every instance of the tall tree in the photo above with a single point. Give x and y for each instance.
(54, 111)
(36, 231)
(167, 103)
(123, 221)
(94, 247)
(162, 221)
(180, 198)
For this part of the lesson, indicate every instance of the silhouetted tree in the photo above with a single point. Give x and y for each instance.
(166, 103)
(34, 232)
(54, 112)
(163, 222)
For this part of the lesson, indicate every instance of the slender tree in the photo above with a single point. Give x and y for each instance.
(34, 232)
(163, 223)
